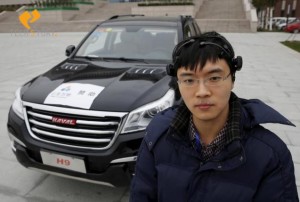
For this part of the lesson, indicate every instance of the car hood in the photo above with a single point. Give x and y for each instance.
(86, 85)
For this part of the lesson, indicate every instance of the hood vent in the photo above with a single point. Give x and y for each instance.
(73, 67)
(144, 73)
(98, 74)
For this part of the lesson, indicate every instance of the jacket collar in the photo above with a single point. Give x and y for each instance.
(255, 112)
(231, 157)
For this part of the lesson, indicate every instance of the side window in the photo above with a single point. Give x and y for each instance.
(96, 42)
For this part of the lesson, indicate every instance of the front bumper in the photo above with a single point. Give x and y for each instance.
(108, 167)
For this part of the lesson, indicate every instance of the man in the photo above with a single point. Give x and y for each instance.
(211, 147)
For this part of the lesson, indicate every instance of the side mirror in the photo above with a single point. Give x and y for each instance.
(69, 50)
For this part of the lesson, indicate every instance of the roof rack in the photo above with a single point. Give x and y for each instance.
(118, 16)
(184, 18)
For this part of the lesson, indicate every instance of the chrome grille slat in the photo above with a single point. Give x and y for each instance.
(78, 121)
(97, 123)
(70, 129)
(68, 137)
(86, 129)
(40, 115)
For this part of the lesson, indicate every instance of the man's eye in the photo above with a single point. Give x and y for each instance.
(189, 81)
(215, 78)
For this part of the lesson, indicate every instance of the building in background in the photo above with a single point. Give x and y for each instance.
(13, 5)
(287, 8)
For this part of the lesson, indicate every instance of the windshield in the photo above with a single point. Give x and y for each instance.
(134, 42)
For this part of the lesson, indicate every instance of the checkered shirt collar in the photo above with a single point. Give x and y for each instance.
(181, 121)
(210, 150)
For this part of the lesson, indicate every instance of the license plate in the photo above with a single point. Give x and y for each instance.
(63, 161)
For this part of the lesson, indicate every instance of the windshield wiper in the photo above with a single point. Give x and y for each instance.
(91, 57)
(94, 57)
(127, 59)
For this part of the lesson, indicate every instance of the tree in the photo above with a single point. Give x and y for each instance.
(263, 6)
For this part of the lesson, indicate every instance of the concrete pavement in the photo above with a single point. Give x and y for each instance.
(271, 73)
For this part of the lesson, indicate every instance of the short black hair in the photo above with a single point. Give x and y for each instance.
(197, 50)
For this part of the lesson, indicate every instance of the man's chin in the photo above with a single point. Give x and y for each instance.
(204, 117)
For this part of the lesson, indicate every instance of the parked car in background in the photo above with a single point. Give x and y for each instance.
(282, 20)
(281, 24)
(274, 20)
(85, 118)
(293, 27)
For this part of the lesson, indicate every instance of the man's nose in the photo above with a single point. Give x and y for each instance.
(202, 90)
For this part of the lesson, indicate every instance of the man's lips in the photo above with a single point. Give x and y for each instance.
(203, 106)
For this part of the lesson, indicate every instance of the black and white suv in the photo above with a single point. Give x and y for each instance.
(85, 117)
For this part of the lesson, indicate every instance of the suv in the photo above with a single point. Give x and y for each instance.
(85, 118)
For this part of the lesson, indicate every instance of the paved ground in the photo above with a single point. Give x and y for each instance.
(271, 73)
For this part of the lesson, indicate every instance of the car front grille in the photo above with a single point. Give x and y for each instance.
(73, 127)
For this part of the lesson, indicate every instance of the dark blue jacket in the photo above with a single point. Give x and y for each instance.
(258, 167)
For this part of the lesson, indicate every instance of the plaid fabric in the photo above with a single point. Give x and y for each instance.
(210, 150)
(231, 131)
(181, 119)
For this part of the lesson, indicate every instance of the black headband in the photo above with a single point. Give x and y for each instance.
(206, 39)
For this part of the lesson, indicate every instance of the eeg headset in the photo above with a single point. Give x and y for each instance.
(203, 40)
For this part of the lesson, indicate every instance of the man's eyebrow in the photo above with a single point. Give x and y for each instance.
(215, 70)
(186, 74)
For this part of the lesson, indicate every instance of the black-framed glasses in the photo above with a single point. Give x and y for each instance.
(209, 81)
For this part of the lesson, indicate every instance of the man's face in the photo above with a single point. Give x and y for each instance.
(208, 99)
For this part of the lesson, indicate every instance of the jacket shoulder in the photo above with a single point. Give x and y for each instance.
(274, 154)
(268, 141)
(256, 112)
(159, 126)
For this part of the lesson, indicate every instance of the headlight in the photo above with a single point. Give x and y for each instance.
(141, 117)
(17, 105)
